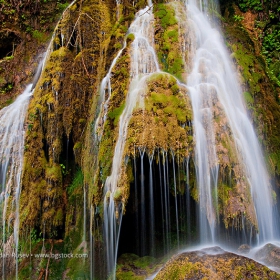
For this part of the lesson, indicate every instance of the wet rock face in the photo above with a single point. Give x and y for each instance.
(244, 249)
(214, 263)
(270, 255)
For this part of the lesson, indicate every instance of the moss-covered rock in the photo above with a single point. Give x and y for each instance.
(164, 122)
(167, 39)
(214, 263)
(260, 86)
(131, 266)
(58, 112)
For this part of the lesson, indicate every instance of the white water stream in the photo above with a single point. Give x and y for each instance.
(105, 93)
(11, 160)
(143, 64)
(12, 133)
(213, 76)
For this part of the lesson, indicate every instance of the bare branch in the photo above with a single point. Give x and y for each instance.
(147, 11)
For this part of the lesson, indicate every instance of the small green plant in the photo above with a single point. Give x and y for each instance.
(10, 57)
(77, 182)
(130, 37)
(62, 6)
(116, 113)
(238, 18)
(64, 171)
(30, 126)
(35, 237)
(245, 5)
(39, 36)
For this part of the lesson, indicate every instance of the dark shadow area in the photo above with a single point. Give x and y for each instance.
(8, 42)
(156, 221)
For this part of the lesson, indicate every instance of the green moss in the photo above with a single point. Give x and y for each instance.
(162, 124)
(39, 36)
(248, 98)
(225, 265)
(130, 267)
(130, 37)
(171, 104)
(274, 162)
(77, 269)
(76, 183)
(262, 92)
(168, 46)
(58, 218)
(165, 14)
(118, 194)
(78, 145)
(105, 153)
(54, 172)
(116, 113)
(119, 84)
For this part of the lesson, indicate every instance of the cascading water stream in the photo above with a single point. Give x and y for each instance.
(151, 212)
(143, 64)
(12, 132)
(143, 212)
(175, 197)
(105, 89)
(11, 159)
(213, 77)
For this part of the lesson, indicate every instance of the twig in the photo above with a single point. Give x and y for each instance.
(77, 21)
(147, 11)
(85, 65)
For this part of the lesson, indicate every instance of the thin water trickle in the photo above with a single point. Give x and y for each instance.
(162, 199)
(142, 201)
(91, 243)
(137, 237)
(175, 197)
(152, 214)
(105, 94)
(166, 200)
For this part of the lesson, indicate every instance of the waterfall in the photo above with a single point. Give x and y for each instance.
(213, 81)
(213, 88)
(11, 160)
(12, 134)
(143, 63)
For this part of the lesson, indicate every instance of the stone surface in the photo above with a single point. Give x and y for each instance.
(214, 263)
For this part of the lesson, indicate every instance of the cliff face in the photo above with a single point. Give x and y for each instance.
(26, 26)
(65, 165)
(251, 30)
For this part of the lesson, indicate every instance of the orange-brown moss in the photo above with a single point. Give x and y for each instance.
(223, 265)
(61, 100)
